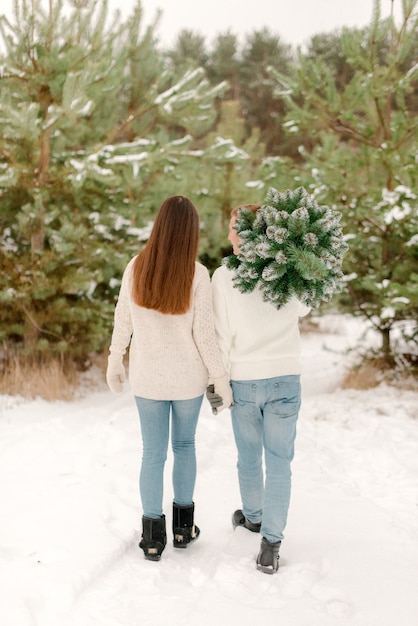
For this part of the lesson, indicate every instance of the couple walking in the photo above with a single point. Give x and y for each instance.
(186, 336)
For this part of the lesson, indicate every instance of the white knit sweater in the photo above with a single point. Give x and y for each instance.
(256, 339)
(171, 357)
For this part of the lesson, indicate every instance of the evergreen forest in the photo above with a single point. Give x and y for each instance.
(99, 123)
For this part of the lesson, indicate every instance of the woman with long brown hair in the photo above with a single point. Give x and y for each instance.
(164, 314)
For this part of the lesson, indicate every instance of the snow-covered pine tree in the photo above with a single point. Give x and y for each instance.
(90, 120)
(291, 247)
(364, 164)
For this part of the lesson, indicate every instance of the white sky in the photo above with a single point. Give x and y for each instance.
(294, 20)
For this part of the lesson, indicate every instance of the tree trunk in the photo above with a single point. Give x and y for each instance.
(386, 348)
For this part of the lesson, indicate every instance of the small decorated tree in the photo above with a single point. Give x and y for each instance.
(290, 247)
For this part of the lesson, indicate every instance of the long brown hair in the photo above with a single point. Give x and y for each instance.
(163, 271)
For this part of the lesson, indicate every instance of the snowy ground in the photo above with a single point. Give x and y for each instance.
(70, 513)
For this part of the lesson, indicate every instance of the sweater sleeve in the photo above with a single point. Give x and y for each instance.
(204, 333)
(221, 317)
(122, 327)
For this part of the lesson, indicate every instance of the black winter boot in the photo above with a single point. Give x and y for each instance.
(239, 519)
(154, 537)
(268, 557)
(184, 529)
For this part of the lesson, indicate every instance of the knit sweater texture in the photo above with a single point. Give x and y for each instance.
(257, 340)
(171, 357)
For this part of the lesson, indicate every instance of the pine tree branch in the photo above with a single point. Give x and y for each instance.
(386, 134)
(375, 224)
(408, 14)
(8, 157)
(410, 133)
(342, 127)
(149, 183)
(36, 325)
(123, 126)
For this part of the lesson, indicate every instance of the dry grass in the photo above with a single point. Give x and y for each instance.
(309, 325)
(365, 376)
(50, 380)
(373, 371)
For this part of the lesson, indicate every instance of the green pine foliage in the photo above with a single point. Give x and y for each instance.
(358, 139)
(291, 247)
(93, 129)
(97, 126)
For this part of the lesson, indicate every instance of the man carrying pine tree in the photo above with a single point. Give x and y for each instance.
(285, 252)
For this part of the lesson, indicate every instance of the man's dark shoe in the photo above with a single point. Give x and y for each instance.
(268, 557)
(239, 519)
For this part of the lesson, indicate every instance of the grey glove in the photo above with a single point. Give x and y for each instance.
(215, 399)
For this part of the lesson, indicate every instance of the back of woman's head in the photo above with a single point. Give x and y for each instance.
(164, 270)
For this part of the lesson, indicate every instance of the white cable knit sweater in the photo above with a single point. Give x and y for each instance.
(171, 357)
(256, 339)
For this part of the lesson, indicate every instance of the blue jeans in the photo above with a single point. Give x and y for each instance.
(154, 417)
(264, 417)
